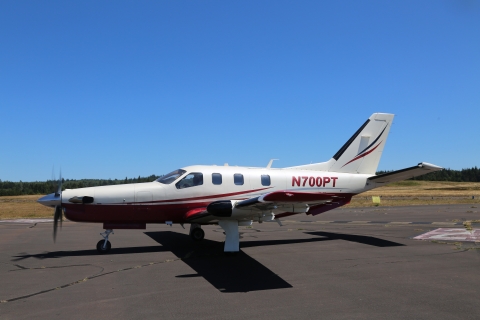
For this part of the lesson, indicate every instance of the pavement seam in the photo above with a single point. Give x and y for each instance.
(89, 278)
(53, 267)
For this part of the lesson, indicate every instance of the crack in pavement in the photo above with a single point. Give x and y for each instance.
(90, 278)
(21, 268)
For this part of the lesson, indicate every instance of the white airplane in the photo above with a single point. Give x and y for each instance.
(231, 196)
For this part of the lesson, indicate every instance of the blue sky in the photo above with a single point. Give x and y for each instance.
(109, 89)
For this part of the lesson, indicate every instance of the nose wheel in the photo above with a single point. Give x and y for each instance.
(103, 246)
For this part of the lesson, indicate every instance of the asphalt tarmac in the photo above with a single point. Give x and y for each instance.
(343, 264)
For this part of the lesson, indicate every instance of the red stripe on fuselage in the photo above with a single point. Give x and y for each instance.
(213, 196)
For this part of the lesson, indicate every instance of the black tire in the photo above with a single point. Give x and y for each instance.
(100, 247)
(197, 234)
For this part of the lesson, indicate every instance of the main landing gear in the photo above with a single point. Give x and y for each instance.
(232, 236)
(103, 246)
(196, 232)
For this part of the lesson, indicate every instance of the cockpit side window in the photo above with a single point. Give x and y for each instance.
(192, 179)
(172, 176)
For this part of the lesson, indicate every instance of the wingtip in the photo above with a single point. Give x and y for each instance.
(430, 166)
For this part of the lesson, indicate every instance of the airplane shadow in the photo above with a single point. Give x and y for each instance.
(227, 273)
(371, 241)
(80, 253)
(240, 272)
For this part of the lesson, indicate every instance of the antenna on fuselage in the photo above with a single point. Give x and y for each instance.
(269, 165)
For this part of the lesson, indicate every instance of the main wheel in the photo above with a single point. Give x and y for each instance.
(197, 234)
(100, 247)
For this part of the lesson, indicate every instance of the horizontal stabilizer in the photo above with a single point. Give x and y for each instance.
(404, 174)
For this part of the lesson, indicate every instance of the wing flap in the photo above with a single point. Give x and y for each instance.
(321, 208)
(294, 196)
(280, 202)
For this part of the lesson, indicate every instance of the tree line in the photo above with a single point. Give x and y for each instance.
(464, 175)
(8, 188)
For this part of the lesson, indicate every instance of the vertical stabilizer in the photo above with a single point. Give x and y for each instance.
(362, 152)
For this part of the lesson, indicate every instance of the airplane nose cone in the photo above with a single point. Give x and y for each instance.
(50, 200)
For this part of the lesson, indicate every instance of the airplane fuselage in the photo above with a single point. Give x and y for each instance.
(155, 202)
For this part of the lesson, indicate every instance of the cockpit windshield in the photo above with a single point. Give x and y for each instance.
(172, 176)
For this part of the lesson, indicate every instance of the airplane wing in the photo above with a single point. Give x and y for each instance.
(284, 203)
(296, 202)
(267, 206)
(407, 173)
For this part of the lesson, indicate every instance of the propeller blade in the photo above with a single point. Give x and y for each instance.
(53, 179)
(56, 218)
(59, 186)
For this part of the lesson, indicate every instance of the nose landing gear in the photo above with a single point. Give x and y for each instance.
(103, 246)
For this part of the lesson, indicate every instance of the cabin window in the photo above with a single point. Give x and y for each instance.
(216, 178)
(170, 177)
(265, 180)
(192, 179)
(238, 179)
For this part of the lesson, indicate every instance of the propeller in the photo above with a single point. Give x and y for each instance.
(54, 200)
(58, 215)
(56, 218)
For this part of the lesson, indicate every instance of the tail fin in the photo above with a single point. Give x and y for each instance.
(362, 152)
